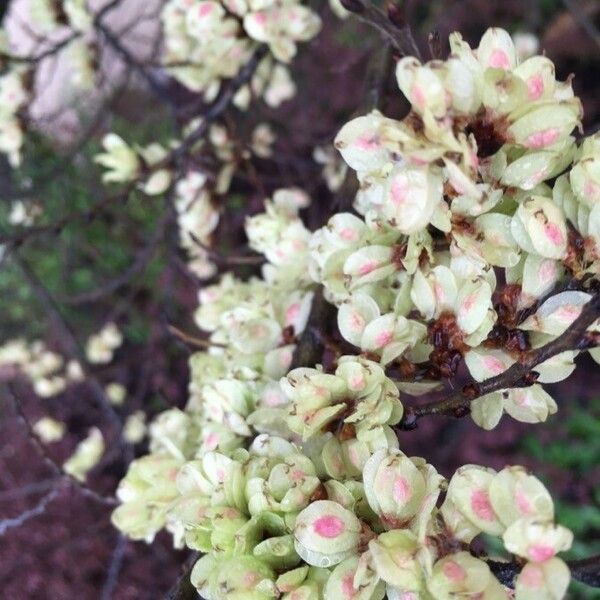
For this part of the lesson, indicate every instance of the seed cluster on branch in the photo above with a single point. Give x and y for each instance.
(475, 240)
(470, 256)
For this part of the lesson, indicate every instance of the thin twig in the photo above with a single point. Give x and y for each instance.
(38, 509)
(114, 568)
(138, 265)
(226, 259)
(53, 465)
(192, 340)
(392, 25)
(215, 110)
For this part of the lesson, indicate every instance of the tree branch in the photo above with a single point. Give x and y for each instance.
(458, 405)
(309, 349)
(585, 571)
(219, 106)
(183, 588)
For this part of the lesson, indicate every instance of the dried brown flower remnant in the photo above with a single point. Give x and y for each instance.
(449, 346)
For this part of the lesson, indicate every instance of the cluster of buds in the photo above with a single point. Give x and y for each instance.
(125, 164)
(295, 532)
(101, 346)
(358, 394)
(207, 41)
(279, 232)
(197, 218)
(86, 456)
(48, 371)
(145, 493)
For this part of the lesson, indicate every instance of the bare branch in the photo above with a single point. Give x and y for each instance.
(183, 588)
(585, 571)
(227, 259)
(38, 509)
(114, 568)
(192, 340)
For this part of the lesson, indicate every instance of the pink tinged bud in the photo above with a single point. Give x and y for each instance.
(297, 474)
(499, 60)
(401, 491)
(454, 572)
(535, 85)
(367, 267)
(357, 323)
(439, 293)
(541, 139)
(205, 9)
(590, 189)
(523, 504)
(354, 457)
(467, 305)
(348, 588)
(384, 338)
(540, 553)
(272, 399)
(211, 442)
(408, 596)
(494, 365)
(285, 358)
(299, 245)
(532, 576)
(418, 95)
(172, 475)
(350, 235)
(367, 142)
(399, 191)
(321, 392)
(220, 475)
(474, 159)
(568, 312)
(328, 526)
(260, 18)
(250, 578)
(357, 382)
(547, 271)
(480, 503)
(520, 397)
(292, 312)
(554, 234)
